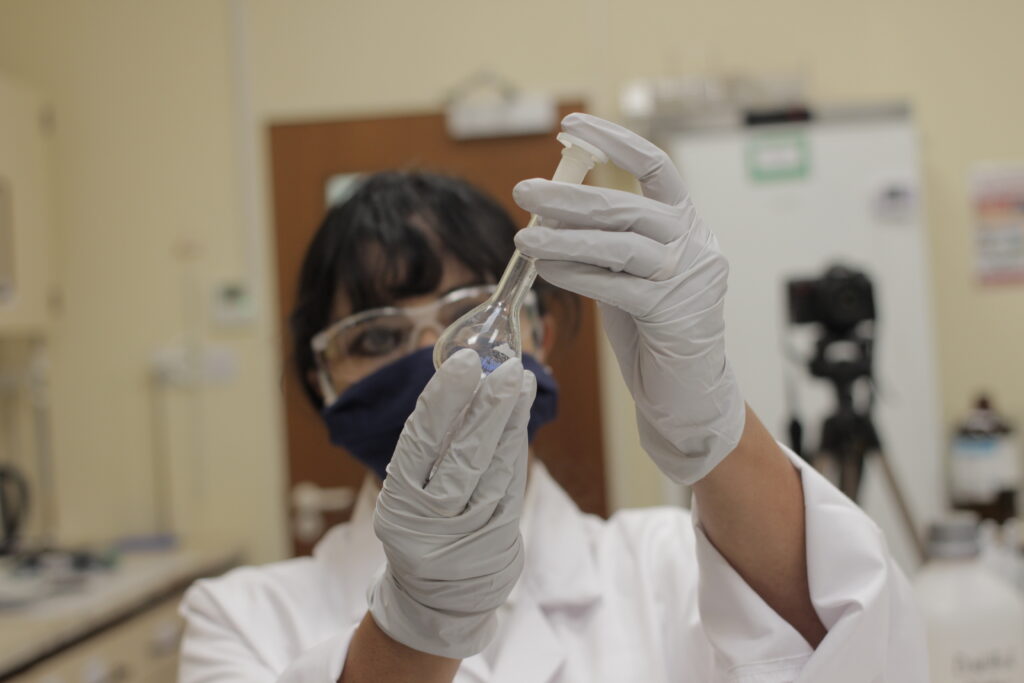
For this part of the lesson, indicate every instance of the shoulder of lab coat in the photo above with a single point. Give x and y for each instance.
(248, 624)
(861, 596)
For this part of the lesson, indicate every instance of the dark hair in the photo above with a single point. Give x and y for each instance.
(386, 242)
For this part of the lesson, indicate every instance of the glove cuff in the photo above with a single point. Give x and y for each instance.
(687, 455)
(441, 633)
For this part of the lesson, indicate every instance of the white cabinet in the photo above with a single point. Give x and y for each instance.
(143, 649)
(25, 238)
(120, 626)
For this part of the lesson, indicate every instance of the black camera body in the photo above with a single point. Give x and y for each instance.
(839, 300)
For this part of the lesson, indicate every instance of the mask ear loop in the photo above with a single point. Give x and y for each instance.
(327, 392)
(532, 309)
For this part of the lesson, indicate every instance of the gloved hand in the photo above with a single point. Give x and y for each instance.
(660, 281)
(453, 546)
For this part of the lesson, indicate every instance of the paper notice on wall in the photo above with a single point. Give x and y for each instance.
(997, 201)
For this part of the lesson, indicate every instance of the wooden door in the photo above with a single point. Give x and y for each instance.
(304, 157)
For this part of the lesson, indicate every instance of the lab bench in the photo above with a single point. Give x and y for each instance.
(121, 627)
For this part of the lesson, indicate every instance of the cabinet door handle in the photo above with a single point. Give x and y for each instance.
(119, 673)
(6, 241)
(99, 671)
(165, 638)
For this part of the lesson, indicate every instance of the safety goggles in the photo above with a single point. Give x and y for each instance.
(361, 344)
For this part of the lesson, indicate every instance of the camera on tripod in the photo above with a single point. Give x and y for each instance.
(840, 300)
(842, 303)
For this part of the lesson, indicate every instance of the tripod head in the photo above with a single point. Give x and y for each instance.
(844, 359)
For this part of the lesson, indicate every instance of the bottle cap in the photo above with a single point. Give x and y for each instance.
(570, 140)
(984, 420)
(955, 536)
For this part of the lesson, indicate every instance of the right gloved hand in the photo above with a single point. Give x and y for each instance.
(453, 546)
(660, 279)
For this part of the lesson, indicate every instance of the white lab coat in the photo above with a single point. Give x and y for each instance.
(643, 596)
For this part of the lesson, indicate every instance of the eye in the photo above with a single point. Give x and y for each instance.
(377, 341)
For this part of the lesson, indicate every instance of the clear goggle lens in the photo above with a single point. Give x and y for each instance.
(365, 342)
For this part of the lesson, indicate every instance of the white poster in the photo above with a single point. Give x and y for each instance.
(997, 202)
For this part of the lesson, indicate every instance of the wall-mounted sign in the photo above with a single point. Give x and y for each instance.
(997, 202)
(778, 156)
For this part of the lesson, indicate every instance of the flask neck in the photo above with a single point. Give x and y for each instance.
(515, 282)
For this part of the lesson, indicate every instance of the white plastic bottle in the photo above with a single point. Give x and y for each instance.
(985, 464)
(975, 619)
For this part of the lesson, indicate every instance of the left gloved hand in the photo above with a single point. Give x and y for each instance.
(660, 280)
(453, 544)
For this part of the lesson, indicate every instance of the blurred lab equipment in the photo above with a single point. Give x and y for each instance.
(985, 464)
(784, 198)
(27, 299)
(27, 494)
(14, 501)
(1010, 561)
(1001, 550)
(841, 304)
(80, 615)
(31, 576)
(975, 620)
(492, 328)
(26, 282)
(488, 105)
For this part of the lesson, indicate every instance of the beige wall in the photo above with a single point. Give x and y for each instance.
(143, 163)
(145, 158)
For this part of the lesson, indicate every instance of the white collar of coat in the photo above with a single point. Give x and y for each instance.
(560, 571)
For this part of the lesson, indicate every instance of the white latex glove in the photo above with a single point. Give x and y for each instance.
(660, 280)
(453, 547)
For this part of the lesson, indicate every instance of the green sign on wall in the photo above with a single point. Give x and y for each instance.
(778, 156)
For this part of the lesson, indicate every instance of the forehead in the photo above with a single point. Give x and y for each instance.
(454, 274)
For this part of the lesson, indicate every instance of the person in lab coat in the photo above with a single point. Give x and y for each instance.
(469, 563)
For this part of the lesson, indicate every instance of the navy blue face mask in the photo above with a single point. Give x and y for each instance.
(368, 417)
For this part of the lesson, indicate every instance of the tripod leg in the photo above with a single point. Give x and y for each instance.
(847, 479)
(901, 503)
(851, 468)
